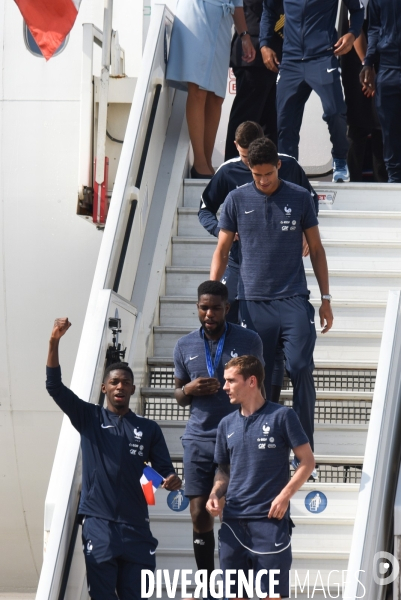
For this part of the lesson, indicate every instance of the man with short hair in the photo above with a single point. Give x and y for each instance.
(199, 360)
(270, 216)
(229, 176)
(252, 452)
(116, 443)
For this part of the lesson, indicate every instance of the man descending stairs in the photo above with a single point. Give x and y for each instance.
(360, 228)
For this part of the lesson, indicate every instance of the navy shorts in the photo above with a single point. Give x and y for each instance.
(115, 554)
(246, 544)
(199, 467)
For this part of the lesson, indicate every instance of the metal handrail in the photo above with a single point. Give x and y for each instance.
(373, 524)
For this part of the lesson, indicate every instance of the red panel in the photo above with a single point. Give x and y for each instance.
(100, 203)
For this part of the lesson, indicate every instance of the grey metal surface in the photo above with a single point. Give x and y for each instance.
(373, 530)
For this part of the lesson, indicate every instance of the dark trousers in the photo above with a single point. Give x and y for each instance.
(290, 323)
(358, 139)
(230, 279)
(388, 104)
(255, 100)
(295, 83)
(115, 554)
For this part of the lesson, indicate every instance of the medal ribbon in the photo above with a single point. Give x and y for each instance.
(212, 368)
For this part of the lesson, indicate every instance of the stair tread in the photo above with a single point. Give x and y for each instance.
(321, 395)
(178, 239)
(167, 361)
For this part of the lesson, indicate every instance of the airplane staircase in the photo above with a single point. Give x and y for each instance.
(153, 256)
(362, 237)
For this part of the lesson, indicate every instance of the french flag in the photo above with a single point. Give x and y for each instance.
(49, 21)
(150, 481)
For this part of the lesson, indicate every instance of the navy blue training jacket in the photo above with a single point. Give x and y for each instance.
(309, 29)
(114, 450)
(384, 34)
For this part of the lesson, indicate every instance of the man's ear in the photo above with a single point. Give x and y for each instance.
(278, 164)
(254, 381)
(133, 390)
(103, 388)
(227, 307)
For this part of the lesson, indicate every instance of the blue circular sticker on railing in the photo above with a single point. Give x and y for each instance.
(177, 501)
(316, 502)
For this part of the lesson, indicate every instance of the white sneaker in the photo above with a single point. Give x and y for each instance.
(340, 170)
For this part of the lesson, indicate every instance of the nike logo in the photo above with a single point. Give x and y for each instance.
(279, 544)
(249, 211)
(107, 426)
(193, 357)
(152, 552)
(313, 322)
(330, 70)
(231, 434)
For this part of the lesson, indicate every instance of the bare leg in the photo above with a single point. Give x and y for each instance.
(212, 120)
(196, 103)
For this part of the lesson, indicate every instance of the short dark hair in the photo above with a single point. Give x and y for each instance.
(214, 288)
(119, 366)
(262, 152)
(247, 366)
(247, 132)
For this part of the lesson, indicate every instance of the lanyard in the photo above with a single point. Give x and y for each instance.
(212, 368)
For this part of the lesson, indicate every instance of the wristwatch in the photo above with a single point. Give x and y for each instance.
(183, 390)
(327, 297)
(241, 35)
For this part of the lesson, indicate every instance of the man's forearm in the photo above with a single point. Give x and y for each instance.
(52, 357)
(298, 479)
(182, 399)
(319, 264)
(219, 264)
(221, 480)
(209, 221)
(268, 20)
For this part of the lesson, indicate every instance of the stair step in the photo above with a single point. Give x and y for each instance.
(340, 254)
(326, 537)
(325, 562)
(342, 440)
(347, 196)
(156, 392)
(167, 361)
(353, 225)
(341, 344)
(345, 284)
(357, 314)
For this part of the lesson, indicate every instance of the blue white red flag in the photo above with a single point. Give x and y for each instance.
(49, 21)
(150, 481)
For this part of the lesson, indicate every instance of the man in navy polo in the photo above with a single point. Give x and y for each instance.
(115, 443)
(229, 176)
(270, 216)
(384, 45)
(252, 450)
(310, 62)
(199, 360)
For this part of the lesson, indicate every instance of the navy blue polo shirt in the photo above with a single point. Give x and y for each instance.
(257, 448)
(114, 451)
(270, 239)
(233, 174)
(190, 363)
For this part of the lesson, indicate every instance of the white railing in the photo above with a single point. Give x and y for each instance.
(395, 566)
(373, 524)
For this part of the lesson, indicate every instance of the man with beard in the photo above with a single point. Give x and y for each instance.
(199, 359)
